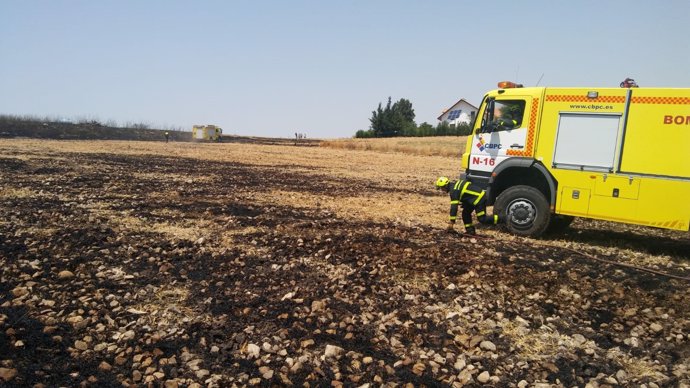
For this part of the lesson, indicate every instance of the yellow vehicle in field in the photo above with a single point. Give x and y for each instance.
(206, 132)
(546, 155)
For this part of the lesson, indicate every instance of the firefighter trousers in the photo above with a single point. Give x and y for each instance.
(480, 211)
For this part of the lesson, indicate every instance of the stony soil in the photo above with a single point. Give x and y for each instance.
(170, 269)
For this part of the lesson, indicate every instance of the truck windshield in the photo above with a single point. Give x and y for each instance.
(503, 115)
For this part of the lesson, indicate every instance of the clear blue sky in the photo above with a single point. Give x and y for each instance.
(273, 68)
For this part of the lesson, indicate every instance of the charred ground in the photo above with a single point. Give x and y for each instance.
(134, 269)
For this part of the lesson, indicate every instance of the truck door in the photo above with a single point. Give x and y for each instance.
(503, 133)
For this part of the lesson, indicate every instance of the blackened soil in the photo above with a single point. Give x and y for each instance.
(293, 281)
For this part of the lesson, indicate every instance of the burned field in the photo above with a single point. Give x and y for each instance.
(240, 265)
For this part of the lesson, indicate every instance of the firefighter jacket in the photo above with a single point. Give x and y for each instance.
(470, 195)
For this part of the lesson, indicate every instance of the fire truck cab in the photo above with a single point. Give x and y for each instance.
(546, 155)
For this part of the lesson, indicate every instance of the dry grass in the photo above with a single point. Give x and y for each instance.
(634, 366)
(545, 344)
(184, 230)
(405, 209)
(17, 193)
(172, 177)
(412, 171)
(449, 146)
(542, 344)
(407, 171)
(164, 306)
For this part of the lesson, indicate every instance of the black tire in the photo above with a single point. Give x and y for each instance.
(559, 223)
(525, 211)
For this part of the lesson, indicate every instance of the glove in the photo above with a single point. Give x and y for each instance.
(470, 230)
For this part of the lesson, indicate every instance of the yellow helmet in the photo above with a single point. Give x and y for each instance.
(441, 182)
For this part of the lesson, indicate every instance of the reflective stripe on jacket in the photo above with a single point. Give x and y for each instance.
(466, 193)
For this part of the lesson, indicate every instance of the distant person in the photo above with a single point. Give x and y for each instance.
(472, 198)
(167, 136)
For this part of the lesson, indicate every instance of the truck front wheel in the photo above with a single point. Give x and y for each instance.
(525, 210)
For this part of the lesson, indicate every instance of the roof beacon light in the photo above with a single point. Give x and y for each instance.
(508, 85)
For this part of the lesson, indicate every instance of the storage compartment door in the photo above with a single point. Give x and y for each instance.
(586, 142)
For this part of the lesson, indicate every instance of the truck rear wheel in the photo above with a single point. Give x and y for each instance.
(525, 210)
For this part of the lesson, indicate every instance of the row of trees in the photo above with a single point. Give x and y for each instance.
(397, 119)
(91, 121)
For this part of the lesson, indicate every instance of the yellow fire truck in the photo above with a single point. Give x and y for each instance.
(546, 155)
(206, 132)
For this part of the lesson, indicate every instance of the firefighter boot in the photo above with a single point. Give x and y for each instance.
(470, 230)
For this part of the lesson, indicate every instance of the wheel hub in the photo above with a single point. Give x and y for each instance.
(522, 212)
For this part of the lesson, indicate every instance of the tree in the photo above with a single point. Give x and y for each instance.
(362, 134)
(393, 120)
(443, 129)
(381, 121)
(464, 129)
(425, 129)
(403, 109)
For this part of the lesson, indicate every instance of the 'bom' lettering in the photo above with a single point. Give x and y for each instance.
(679, 120)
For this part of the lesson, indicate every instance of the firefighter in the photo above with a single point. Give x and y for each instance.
(510, 119)
(508, 122)
(505, 118)
(472, 198)
(167, 136)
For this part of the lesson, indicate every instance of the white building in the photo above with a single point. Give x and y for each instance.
(460, 112)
